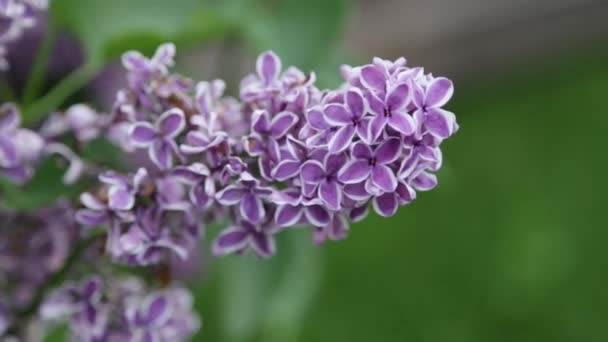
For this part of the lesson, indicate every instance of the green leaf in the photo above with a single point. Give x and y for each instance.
(58, 333)
(108, 28)
(103, 153)
(44, 188)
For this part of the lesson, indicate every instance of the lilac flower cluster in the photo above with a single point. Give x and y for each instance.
(15, 17)
(284, 154)
(122, 311)
(33, 246)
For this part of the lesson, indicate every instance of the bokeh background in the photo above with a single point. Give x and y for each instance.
(511, 246)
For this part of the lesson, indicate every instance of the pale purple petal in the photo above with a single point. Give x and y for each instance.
(355, 102)
(316, 119)
(158, 311)
(338, 229)
(268, 66)
(171, 123)
(90, 217)
(356, 192)
(341, 140)
(252, 209)
(439, 92)
(331, 194)
(135, 61)
(358, 214)
(361, 151)
(388, 151)
(317, 215)
(161, 154)
(439, 122)
(334, 162)
(384, 178)
(424, 181)
(91, 202)
(142, 134)
(402, 122)
(312, 172)
(8, 153)
(282, 123)
(286, 169)
(355, 171)
(337, 114)
(398, 97)
(263, 244)
(287, 215)
(373, 78)
(230, 195)
(120, 199)
(386, 205)
(230, 240)
(376, 105)
(376, 127)
(260, 122)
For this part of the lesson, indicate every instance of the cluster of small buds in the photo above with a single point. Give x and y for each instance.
(15, 17)
(122, 310)
(284, 154)
(32, 247)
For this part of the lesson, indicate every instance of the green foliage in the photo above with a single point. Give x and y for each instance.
(108, 28)
(44, 189)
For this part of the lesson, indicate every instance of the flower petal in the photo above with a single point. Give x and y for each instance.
(287, 215)
(337, 114)
(230, 240)
(398, 97)
(439, 122)
(317, 215)
(342, 139)
(355, 171)
(376, 127)
(252, 208)
(361, 150)
(331, 194)
(316, 119)
(388, 151)
(260, 122)
(282, 123)
(158, 311)
(356, 192)
(355, 102)
(373, 78)
(268, 66)
(386, 204)
(142, 134)
(171, 123)
(161, 154)
(424, 181)
(312, 172)
(90, 217)
(384, 178)
(286, 169)
(402, 122)
(120, 199)
(230, 195)
(439, 92)
(263, 244)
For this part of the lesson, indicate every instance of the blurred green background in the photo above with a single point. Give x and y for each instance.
(511, 244)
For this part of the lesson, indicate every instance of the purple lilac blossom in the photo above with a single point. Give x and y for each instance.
(300, 156)
(121, 310)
